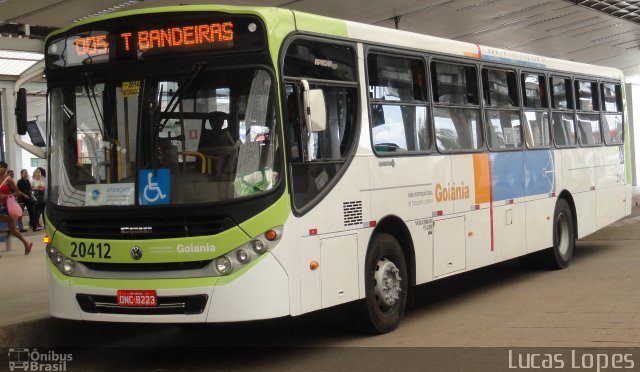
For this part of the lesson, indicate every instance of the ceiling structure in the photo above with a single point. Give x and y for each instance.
(603, 32)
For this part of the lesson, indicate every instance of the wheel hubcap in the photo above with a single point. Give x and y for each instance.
(562, 234)
(387, 283)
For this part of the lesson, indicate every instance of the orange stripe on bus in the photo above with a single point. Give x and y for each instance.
(482, 177)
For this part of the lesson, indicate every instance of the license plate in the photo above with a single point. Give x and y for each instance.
(137, 298)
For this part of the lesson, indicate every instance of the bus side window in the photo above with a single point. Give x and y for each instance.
(502, 113)
(588, 116)
(536, 114)
(564, 132)
(398, 104)
(612, 124)
(456, 111)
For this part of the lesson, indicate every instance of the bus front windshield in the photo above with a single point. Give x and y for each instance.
(199, 137)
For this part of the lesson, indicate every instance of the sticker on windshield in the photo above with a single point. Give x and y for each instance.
(110, 194)
(154, 186)
(130, 88)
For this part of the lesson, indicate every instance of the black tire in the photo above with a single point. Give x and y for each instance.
(563, 236)
(559, 256)
(376, 314)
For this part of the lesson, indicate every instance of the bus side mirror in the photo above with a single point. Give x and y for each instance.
(315, 110)
(21, 111)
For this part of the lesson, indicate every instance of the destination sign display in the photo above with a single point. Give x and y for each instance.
(114, 42)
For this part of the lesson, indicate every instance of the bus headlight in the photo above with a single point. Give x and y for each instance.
(259, 247)
(243, 256)
(51, 250)
(247, 252)
(57, 258)
(223, 265)
(68, 266)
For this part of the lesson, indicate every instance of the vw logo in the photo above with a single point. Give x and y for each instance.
(136, 253)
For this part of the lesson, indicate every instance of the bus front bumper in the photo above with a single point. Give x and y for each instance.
(261, 292)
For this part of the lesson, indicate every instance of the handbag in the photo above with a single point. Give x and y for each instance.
(13, 208)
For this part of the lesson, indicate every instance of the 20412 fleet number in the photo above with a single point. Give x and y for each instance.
(82, 250)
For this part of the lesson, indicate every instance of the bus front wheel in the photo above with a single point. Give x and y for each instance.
(386, 285)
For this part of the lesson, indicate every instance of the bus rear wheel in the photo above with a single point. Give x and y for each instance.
(560, 254)
(386, 285)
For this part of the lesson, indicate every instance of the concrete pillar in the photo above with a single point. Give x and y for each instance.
(13, 153)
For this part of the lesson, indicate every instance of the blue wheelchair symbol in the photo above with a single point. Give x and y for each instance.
(154, 186)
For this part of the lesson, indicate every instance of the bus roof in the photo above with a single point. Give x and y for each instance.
(379, 35)
(398, 38)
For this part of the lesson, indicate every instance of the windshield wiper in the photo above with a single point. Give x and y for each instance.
(174, 102)
(178, 96)
(91, 94)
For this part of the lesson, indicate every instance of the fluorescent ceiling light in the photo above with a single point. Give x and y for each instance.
(111, 9)
(15, 63)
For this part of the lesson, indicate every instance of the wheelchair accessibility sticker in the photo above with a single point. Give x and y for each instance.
(154, 186)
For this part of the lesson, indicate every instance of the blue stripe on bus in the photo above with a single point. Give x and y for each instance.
(507, 173)
(539, 175)
(521, 173)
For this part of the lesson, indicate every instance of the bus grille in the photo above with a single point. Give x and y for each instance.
(152, 228)
(186, 305)
(160, 266)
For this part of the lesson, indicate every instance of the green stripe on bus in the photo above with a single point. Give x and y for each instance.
(319, 24)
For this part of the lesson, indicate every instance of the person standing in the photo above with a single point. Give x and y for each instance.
(43, 174)
(9, 188)
(27, 198)
(19, 196)
(38, 187)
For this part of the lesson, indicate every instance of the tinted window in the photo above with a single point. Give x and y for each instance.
(586, 96)
(311, 59)
(561, 93)
(396, 78)
(611, 94)
(534, 91)
(399, 113)
(454, 84)
(500, 88)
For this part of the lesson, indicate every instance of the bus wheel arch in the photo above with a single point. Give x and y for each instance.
(559, 255)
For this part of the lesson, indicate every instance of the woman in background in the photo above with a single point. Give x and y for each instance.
(38, 186)
(9, 188)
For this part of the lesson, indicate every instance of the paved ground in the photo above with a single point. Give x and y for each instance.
(595, 303)
(23, 282)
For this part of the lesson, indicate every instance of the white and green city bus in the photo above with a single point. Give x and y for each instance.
(219, 163)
